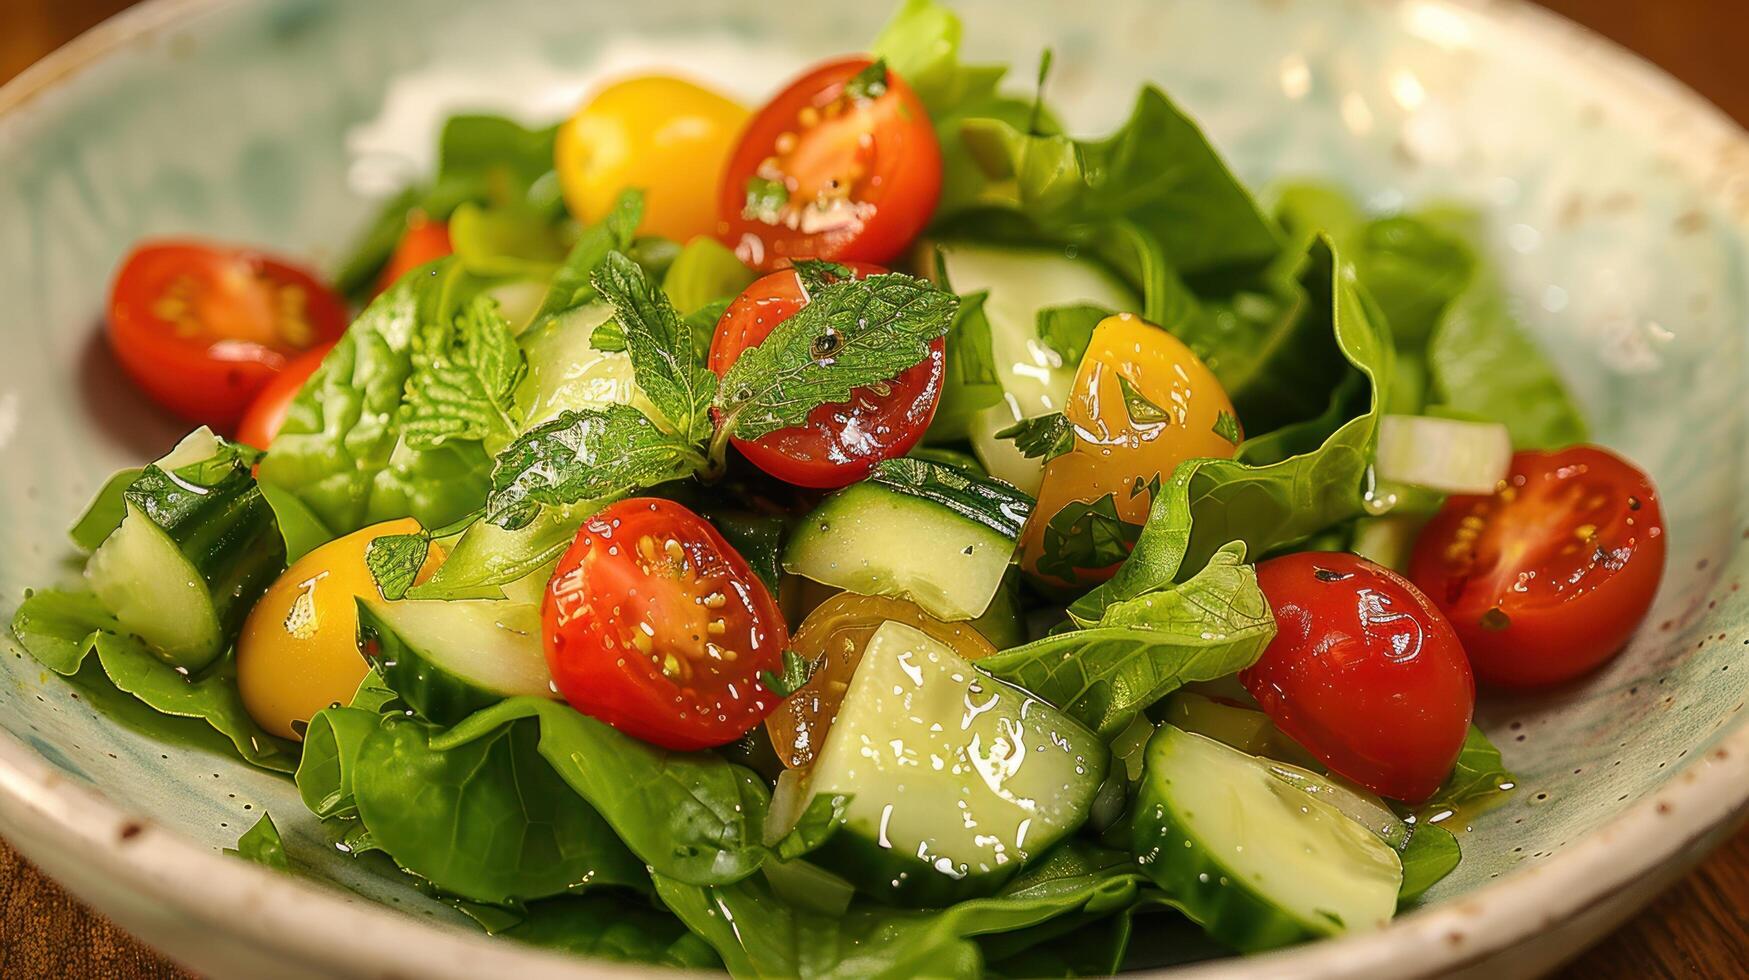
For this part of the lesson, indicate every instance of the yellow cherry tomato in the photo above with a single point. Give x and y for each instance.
(832, 638)
(667, 137)
(1141, 404)
(299, 650)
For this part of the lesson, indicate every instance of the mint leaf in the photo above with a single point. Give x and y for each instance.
(1227, 427)
(584, 455)
(1140, 409)
(1069, 329)
(394, 561)
(465, 372)
(817, 274)
(573, 285)
(668, 359)
(852, 333)
(1046, 437)
(794, 674)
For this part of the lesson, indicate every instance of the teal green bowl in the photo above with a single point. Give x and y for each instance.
(1618, 202)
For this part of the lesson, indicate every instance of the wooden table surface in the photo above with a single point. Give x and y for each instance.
(1698, 929)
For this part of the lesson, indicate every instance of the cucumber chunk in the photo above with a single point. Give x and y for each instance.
(1256, 861)
(1035, 381)
(196, 546)
(914, 530)
(955, 779)
(450, 659)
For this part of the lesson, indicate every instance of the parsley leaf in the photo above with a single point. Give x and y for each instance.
(1140, 409)
(1069, 329)
(394, 561)
(1227, 427)
(465, 372)
(584, 455)
(852, 333)
(796, 672)
(868, 84)
(1047, 436)
(667, 356)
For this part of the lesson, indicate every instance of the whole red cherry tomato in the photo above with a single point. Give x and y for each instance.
(656, 626)
(838, 444)
(842, 165)
(1546, 579)
(1363, 672)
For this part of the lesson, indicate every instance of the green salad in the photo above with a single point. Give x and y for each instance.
(875, 534)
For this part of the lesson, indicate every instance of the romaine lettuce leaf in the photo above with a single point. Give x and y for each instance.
(342, 451)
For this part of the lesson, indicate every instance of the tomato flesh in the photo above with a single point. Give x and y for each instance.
(1548, 577)
(653, 624)
(831, 170)
(424, 241)
(203, 328)
(267, 412)
(840, 443)
(1363, 672)
(831, 639)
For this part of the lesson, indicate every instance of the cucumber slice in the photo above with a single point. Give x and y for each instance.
(1256, 862)
(196, 546)
(955, 779)
(450, 659)
(914, 530)
(566, 371)
(1035, 381)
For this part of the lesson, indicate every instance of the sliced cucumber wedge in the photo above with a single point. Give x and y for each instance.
(1035, 381)
(450, 659)
(566, 371)
(914, 530)
(955, 779)
(196, 546)
(1257, 862)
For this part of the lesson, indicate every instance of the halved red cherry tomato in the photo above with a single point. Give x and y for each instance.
(842, 165)
(1363, 672)
(1547, 578)
(203, 328)
(424, 241)
(656, 626)
(267, 412)
(839, 444)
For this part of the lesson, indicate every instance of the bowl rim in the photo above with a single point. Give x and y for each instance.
(323, 927)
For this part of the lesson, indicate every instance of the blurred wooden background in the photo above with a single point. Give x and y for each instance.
(1698, 929)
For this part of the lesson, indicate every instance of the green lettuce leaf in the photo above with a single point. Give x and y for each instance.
(1431, 854)
(615, 926)
(1143, 648)
(486, 819)
(1158, 171)
(760, 935)
(63, 629)
(262, 844)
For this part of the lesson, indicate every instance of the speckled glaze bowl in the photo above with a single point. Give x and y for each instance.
(1619, 203)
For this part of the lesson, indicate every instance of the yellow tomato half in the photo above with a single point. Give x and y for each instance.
(1141, 404)
(299, 650)
(667, 137)
(832, 638)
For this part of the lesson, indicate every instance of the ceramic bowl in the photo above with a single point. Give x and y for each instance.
(1618, 202)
